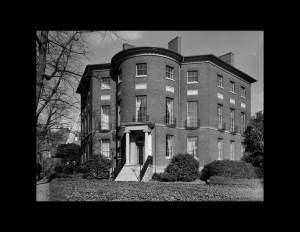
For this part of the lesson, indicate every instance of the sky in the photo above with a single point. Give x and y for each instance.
(247, 47)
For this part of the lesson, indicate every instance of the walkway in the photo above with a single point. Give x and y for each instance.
(42, 190)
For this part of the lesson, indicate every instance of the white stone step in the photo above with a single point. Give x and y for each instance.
(126, 174)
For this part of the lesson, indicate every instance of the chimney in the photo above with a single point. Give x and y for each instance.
(175, 45)
(127, 46)
(228, 58)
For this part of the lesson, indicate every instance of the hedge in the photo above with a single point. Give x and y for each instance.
(228, 168)
(219, 180)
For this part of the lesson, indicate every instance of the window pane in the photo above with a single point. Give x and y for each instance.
(192, 76)
(105, 147)
(169, 145)
(191, 113)
(105, 113)
(192, 145)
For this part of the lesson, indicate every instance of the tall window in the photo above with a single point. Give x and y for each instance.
(192, 113)
(231, 119)
(192, 146)
(119, 148)
(232, 86)
(220, 116)
(119, 113)
(141, 69)
(192, 76)
(232, 147)
(243, 92)
(169, 146)
(220, 81)
(243, 121)
(169, 111)
(220, 148)
(120, 76)
(141, 108)
(105, 147)
(169, 72)
(105, 113)
(105, 83)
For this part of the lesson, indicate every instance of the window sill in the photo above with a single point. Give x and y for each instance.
(168, 158)
(219, 159)
(220, 87)
(141, 76)
(104, 88)
(243, 97)
(170, 79)
(195, 82)
(232, 92)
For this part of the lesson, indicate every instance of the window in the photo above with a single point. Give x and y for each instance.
(220, 149)
(119, 148)
(169, 111)
(141, 108)
(85, 126)
(220, 116)
(120, 76)
(220, 81)
(169, 146)
(232, 147)
(105, 113)
(192, 76)
(119, 113)
(192, 114)
(243, 120)
(231, 119)
(232, 86)
(105, 83)
(169, 72)
(243, 92)
(105, 147)
(141, 69)
(192, 146)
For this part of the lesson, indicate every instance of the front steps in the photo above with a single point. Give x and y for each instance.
(126, 174)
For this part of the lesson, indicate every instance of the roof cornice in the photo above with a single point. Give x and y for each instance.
(213, 59)
(122, 55)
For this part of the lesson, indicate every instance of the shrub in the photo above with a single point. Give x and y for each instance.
(166, 177)
(228, 168)
(259, 172)
(183, 167)
(156, 176)
(59, 169)
(97, 167)
(218, 180)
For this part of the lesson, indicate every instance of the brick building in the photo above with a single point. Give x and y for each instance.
(152, 103)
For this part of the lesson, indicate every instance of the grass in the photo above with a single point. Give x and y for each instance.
(77, 189)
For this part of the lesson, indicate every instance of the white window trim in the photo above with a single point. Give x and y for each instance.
(169, 79)
(105, 87)
(232, 92)
(243, 97)
(141, 76)
(193, 82)
(220, 87)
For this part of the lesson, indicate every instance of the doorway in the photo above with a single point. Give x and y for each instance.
(140, 149)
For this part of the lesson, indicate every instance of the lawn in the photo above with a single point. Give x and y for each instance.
(104, 190)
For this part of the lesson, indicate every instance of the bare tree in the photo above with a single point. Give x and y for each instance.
(59, 68)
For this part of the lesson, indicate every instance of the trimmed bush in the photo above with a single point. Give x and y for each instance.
(183, 167)
(218, 180)
(96, 167)
(59, 169)
(166, 177)
(228, 168)
(259, 172)
(156, 176)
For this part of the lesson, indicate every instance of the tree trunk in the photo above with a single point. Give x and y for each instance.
(42, 41)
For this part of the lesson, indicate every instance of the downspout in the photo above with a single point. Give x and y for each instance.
(155, 152)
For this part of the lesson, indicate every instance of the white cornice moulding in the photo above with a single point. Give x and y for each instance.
(192, 92)
(141, 86)
(232, 101)
(220, 96)
(105, 97)
(243, 105)
(169, 88)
